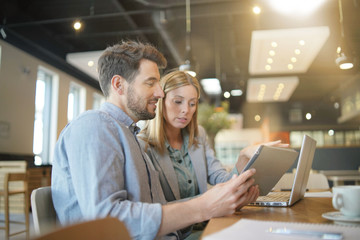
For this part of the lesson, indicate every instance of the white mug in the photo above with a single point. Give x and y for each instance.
(347, 200)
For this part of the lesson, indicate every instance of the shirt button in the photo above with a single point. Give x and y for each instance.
(189, 181)
(180, 161)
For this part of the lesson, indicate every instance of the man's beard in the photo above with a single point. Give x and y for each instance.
(138, 105)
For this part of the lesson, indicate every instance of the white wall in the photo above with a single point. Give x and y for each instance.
(17, 98)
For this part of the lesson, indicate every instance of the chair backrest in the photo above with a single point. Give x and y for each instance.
(11, 167)
(316, 181)
(6, 167)
(285, 182)
(44, 214)
(103, 228)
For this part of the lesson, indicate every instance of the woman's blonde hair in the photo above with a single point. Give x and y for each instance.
(153, 132)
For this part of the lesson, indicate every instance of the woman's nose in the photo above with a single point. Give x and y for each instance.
(185, 108)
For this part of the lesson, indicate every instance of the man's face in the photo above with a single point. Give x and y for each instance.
(144, 91)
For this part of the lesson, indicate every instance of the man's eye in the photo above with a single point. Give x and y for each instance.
(178, 102)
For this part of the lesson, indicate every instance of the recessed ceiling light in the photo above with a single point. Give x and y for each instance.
(274, 44)
(256, 10)
(293, 59)
(266, 89)
(268, 67)
(261, 93)
(297, 51)
(302, 42)
(226, 94)
(270, 60)
(338, 49)
(278, 91)
(77, 25)
(290, 66)
(257, 117)
(272, 53)
(308, 116)
(90, 63)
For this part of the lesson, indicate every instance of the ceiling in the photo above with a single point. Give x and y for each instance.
(222, 40)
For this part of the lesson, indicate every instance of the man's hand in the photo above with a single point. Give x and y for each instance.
(247, 153)
(220, 200)
(225, 198)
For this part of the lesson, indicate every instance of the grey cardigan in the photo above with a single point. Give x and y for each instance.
(207, 167)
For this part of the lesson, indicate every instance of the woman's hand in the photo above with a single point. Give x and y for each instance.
(247, 153)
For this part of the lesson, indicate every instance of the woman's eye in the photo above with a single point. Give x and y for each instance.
(178, 102)
(193, 104)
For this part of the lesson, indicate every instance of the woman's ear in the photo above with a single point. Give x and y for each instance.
(117, 83)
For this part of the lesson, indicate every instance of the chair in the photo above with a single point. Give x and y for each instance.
(44, 214)
(9, 191)
(316, 181)
(103, 228)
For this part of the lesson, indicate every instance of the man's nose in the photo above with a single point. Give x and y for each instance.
(158, 91)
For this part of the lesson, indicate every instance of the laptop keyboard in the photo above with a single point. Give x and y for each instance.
(275, 197)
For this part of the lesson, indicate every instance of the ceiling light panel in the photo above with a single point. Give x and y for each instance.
(85, 61)
(277, 89)
(285, 51)
(211, 86)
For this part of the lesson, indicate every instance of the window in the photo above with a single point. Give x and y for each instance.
(45, 123)
(98, 99)
(76, 101)
(327, 138)
(228, 153)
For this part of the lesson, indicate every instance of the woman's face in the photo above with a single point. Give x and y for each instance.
(180, 105)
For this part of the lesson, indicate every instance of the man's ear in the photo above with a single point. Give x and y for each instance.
(118, 83)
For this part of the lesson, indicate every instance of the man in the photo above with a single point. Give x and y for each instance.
(100, 170)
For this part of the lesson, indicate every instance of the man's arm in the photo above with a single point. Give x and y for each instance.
(222, 199)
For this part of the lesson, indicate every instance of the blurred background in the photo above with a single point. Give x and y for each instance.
(273, 68)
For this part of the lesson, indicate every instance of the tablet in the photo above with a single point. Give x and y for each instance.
(270, 164)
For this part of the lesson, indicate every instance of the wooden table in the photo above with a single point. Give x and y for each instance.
(306, 210)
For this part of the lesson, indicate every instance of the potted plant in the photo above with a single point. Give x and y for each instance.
(213, 119)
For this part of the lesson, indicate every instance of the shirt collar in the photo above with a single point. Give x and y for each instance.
(185, 145)
(121, 116)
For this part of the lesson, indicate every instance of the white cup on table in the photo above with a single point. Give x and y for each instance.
(347, 200)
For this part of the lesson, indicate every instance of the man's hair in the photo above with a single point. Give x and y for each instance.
(124, 59)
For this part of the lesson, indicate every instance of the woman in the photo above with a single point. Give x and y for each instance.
(178, 147)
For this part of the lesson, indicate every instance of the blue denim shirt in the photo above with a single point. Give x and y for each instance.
(100, 170)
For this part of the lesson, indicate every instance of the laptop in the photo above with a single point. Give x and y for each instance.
(286, 199)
